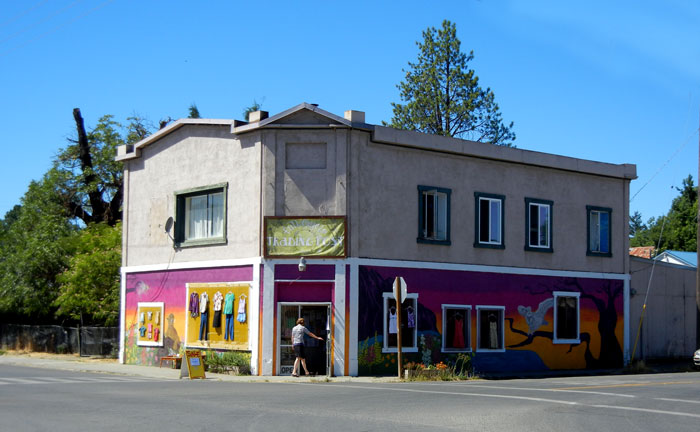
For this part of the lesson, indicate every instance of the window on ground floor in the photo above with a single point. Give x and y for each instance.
(409, 323)
(456, 328)
(490, 328)
(566, 317)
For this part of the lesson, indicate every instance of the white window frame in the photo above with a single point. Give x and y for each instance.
(479, 310)
(385, 326)
(556, 339)
(467, 317)
(539, 204)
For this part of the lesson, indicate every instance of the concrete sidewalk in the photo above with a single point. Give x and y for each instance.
(111, 366)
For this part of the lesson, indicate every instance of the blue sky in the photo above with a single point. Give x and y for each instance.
(616, 82)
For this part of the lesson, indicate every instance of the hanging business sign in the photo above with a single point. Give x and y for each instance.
(288, 237)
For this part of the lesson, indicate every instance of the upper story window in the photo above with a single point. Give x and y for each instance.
(434, 215)
(489, 220)
(201, 216)
(599, 231)
(538, 223)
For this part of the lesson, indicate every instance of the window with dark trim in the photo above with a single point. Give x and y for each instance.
(489, 220)
(433, 215)
(566, 317)
(599, 232)
(538, 225)
(200, 216)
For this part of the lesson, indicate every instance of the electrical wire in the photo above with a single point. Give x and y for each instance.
(59, 27)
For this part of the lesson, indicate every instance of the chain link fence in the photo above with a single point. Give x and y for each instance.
(86, 341)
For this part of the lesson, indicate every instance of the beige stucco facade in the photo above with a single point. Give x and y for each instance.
(307, 162)
(310, 163)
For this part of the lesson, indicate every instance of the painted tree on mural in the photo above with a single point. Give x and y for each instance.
(604, 300)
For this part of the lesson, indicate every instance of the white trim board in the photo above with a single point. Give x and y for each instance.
(485, 269)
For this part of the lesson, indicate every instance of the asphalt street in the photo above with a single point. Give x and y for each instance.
(40, 399)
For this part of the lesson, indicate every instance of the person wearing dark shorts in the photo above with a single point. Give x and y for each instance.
(298, 333)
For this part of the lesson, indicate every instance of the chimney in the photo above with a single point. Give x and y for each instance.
(256, 116)
(355, 116)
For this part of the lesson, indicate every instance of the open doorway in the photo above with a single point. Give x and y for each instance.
(317, 320)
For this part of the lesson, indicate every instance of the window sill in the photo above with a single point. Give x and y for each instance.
(567, 341)
(201, 242)
(489, 246)
(456, 350)
(403, 350)
(539, 249)
(433, 241)
(486, 350)
(599, 254)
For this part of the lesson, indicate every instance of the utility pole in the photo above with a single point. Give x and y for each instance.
(697, 249)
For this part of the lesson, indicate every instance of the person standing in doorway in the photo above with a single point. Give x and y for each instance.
(298, 332)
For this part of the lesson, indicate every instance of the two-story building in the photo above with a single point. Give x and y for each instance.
(516, 256)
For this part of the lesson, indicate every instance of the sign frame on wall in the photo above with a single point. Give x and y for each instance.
(154, 316)
(306, 236)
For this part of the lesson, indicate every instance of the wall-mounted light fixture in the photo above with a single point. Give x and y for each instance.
(302, 264)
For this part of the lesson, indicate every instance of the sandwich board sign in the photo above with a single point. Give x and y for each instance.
(193, 366)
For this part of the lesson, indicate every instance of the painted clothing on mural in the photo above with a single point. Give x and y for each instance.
(204, 303)
(194, 304)
(218, 299)
(216, 321)
(228, 303)
(241, 310)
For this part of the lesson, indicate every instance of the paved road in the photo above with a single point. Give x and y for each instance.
(33, 399)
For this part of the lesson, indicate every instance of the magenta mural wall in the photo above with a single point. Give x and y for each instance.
(527, 304)
(170, 288)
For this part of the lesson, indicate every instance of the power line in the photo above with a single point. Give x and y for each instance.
(59, 27)
(21, 14)
(42, 21)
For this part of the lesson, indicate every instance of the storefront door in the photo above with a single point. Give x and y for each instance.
(317, 320)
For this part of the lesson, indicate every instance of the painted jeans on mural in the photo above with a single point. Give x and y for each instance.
(204, 326)
(229, 327)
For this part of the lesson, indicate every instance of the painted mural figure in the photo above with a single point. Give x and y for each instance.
(536, 319)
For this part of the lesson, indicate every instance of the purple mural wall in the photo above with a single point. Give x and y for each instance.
(523, 304)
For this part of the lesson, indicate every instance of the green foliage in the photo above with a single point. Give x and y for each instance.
(252, 108)
(219, 362)
(679, 224)
(87, 178)
(194, 112)
(90, 285)
(33, 252)
(443, 95)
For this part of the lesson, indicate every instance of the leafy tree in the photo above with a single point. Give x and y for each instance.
(194, 112)
(89, 287)
(679, 224)
(33, 252)
(87, 178)
(442, 94)
(636, 224)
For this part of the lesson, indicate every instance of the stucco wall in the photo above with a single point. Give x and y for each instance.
(190, 157)
(308, 171)
(384, 210)
(668, 329)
